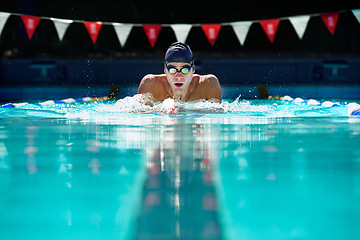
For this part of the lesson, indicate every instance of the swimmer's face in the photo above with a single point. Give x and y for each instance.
(179, 75)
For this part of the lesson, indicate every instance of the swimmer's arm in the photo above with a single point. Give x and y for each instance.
(148, 85)
(212, 88)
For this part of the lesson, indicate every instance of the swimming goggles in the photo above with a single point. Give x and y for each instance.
(183, 70)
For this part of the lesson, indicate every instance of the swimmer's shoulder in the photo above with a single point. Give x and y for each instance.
(208, 80)
(152, 78)
(210, 87)
(151, 81)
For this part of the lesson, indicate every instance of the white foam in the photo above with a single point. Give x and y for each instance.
(313, 102)
(287, 98)
(143, 103)
(131, 106)
(49, 102)
(69, 100)
(298, 100)
(327, 104)
(352, 107)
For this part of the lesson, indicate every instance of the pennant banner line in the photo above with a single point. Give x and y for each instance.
(192, 24)
(211, 31)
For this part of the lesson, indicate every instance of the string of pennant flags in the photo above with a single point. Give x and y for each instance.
(211, 31)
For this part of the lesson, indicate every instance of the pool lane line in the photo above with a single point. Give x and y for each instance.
(112, 95)
(353, 108)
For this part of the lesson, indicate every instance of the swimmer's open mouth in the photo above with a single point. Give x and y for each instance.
(178, 84)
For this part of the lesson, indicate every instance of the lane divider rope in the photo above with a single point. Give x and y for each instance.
(353, 109)
(112, 95)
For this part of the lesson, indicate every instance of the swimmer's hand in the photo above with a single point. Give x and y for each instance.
(169, 106)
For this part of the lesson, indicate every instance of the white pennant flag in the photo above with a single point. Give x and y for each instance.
(122, 31)
(3, 18)
(300, 24)
(241, 30)
(181, 31)
(356, 12)
(61, 26)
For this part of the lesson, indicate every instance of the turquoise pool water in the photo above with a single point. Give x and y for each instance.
(264, 169)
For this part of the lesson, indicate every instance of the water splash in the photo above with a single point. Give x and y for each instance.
(142, 105)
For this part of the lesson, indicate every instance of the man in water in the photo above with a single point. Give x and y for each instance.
(180, 83)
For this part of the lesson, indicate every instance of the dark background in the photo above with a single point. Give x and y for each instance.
(317, 40)
(46, 68)
(145, 11)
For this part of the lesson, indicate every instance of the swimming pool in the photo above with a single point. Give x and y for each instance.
(264, 169)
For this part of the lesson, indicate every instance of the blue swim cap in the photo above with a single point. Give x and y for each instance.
(179, 52)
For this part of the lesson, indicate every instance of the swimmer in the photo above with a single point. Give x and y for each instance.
(179, 81)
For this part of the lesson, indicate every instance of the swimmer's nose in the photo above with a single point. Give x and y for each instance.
(179, 76)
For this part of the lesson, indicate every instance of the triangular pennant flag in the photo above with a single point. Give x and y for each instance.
(270, 28)
(30, 23)
(241, 30)
(356, 13)
(211, 31)
(61, 26)
(122, 32)
(93, 29)
(152, 32)
(300, 23)
(181, 31)
(3, 18)
(330, 20)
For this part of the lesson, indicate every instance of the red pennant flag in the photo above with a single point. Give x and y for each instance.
(152, 33)
(330, 20)
(93, 29)
(211, 31)
(270, 28)
(30, 23)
